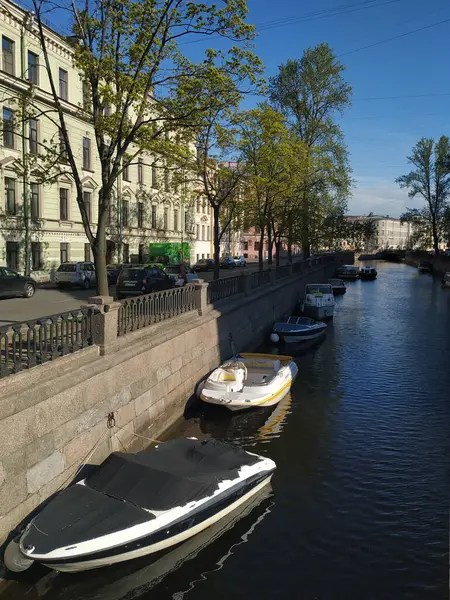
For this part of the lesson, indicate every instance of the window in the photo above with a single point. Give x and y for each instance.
(36, 256)
(198, 257)
(8, 128)
(199, 206)
(208, 256)
(34, 200)
(203, 256)
(8, 55)
(33, 135)
(12, 255)
(256, 246)
(64, 252)
(33, 67)
(87, 199)
(175, 219)
(166, 179)
(141, 251)
(186, 221)
(125, 213)
(208, 235)
(63, 84)
(10, 196)
(153, 216)
(126, 169)
(140, 171)
(86, 96)
(204, 207)
(166, 218)
(245, 245)
(198, 232)
(86, 153)
(62, 148)
(203, 232)
(63, 204)
(154, 177)
(126, 253)
(140, 214)
(87, 252)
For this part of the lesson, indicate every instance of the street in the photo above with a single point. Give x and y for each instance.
(51, 301)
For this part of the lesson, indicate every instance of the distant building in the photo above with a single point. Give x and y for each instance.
(390, 233)
(203, 245)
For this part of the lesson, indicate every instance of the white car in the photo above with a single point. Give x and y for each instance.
(240, 261)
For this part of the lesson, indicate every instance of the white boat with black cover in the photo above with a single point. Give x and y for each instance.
(297, 329)
(249, 380)
(140, 504)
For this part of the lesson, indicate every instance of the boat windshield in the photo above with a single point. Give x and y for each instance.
(336, 282)
(317, 288)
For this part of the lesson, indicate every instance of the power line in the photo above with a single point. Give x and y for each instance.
(395, 37)
(313, 16)
(432, 95)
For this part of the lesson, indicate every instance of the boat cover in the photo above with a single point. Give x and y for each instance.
(172, 474)
(78, 514)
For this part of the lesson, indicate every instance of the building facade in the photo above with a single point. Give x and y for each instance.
(390, 233)
(147, 217)
(204, 235)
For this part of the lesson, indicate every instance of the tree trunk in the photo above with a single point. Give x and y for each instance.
(216, 211)
(435, 236)
(269, 243)
(261, 248)
(99, 252)
(289, 249)
(277, 252)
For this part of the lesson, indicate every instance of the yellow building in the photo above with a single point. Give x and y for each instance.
(144, 210)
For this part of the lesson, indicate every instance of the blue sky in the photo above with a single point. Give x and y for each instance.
(379, 132)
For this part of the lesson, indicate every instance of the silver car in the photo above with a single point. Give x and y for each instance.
(240, 261)
(81, 274)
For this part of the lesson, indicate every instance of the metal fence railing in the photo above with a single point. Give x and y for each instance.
(282, 271)
(218, 289)
(34, 342)
(259, 278)
(136, 313)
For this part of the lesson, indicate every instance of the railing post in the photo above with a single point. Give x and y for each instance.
(273, 276)
(246, 284)
(104, 322)
(201, 297)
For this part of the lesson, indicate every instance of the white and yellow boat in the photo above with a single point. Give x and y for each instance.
(249, 380)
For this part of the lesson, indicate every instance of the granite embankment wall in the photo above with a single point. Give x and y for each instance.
(52, 415)
(441, 264)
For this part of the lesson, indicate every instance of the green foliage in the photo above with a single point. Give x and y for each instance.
(429, 180)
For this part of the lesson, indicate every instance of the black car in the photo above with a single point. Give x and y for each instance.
(228, 263)
(142, 279)
(204, 264)
(14, 284)
(113, 271)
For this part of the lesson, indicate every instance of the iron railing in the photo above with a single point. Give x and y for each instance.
(25, 345)
(259, 278)
(282, 271)
(136, 313)
(218, 289)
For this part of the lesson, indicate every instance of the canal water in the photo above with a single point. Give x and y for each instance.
(359, 505)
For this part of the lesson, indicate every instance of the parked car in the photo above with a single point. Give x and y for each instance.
(142, 279)
(240, 261)
(204, 264)
(14, 284)
(81, 274)
(174, 271)
(228, 263)
(113, 272)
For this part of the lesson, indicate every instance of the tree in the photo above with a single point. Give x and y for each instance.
(136, 82)
(430, 180)
(310, 92)
(266, 148)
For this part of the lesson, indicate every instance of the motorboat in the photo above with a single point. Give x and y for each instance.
(425, 267)
(348, 272)
(319, 301)
(297, 329)
(368, 273)
(249, 380)
(445, 283)
(139, 504)
(338, 286)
